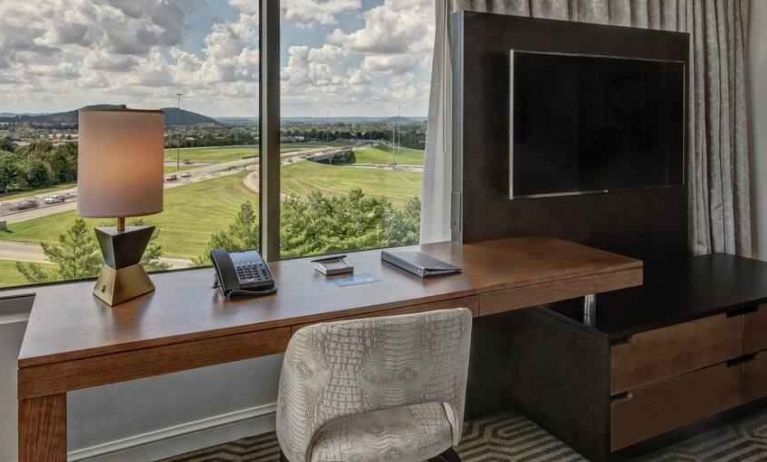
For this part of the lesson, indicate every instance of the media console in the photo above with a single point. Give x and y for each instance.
(688, 345)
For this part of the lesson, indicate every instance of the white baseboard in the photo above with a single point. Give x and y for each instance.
(178, 439)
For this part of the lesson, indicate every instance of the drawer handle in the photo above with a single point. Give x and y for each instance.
(740, 311)
(741, 360)
(625, 396)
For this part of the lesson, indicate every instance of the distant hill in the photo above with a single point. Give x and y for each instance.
(177, 117)
(173, 117)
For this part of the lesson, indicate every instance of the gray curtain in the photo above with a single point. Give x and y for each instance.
(717, 141)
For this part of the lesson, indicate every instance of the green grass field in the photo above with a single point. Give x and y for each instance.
(8, 274)
(383, 155)
(304, 177)
(173, 169)
(194, 211)
(213, 154)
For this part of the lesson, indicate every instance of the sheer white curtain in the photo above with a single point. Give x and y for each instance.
(435, 209)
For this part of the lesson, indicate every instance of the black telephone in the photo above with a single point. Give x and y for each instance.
(241, 273)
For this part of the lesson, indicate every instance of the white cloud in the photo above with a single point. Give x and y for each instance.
(380, 66)
(398, 64)
(395, 27)
(316, 11)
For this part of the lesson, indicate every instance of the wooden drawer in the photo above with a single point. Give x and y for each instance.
(464, 302)
(755, 375)
(670, 351)
(669, 404)
(755, 330)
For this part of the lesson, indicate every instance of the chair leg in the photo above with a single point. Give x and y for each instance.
(448, 456)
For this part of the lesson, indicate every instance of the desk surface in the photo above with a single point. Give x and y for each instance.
(68, 323)
(679, 291)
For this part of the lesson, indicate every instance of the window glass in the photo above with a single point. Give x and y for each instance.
(196, 59)
(355, 79)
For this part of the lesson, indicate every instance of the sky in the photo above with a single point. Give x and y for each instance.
(339, 58)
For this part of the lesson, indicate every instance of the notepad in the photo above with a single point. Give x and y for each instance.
(419, 263)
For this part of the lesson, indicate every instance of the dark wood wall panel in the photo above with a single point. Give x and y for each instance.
(642, 223)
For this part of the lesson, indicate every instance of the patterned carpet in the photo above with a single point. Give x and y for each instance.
(513, 438)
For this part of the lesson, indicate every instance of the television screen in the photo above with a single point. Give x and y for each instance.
(594, 124)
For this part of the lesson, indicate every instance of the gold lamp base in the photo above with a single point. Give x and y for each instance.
(115, 286)
(122, 277)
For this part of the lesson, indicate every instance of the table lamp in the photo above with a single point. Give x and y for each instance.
(120, 174)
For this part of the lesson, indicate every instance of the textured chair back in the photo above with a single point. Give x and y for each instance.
(337, 369)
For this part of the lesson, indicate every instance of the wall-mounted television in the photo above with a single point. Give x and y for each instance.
(590, 124)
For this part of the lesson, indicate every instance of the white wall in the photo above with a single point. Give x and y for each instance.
(758, 68)
(147, 419)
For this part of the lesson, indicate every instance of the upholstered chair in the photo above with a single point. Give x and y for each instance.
(378, 389)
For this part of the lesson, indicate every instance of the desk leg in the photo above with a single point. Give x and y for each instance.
(43, 429)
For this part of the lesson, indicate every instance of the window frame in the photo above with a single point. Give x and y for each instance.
(269, 121)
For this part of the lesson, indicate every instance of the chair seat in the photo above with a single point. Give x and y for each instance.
(404, 434)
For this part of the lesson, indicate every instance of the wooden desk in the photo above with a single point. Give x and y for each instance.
(73, 341)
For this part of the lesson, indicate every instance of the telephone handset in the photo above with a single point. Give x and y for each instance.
(241, 273)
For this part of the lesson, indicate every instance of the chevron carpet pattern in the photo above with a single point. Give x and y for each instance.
(513, 438)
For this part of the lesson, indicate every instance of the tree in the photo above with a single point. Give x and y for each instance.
(7, 144)
(62, 161)
(38, 174)
(9, 171)
(320, 223)
(242, 234)
(76, 255)
(36, 149)
(403, 226)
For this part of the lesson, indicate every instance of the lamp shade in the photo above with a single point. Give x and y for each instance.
(120, 162)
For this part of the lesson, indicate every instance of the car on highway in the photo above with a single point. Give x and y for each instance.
(171, 178)
(55, 199)
(25, 205)
(186, 175)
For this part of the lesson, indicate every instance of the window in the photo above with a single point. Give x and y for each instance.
(353, 84)
(197, 59)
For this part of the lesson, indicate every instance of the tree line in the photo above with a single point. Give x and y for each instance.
(321, 224)
(36, 165)
(410, 136)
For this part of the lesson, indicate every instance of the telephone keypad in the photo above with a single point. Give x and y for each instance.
(252, 272)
